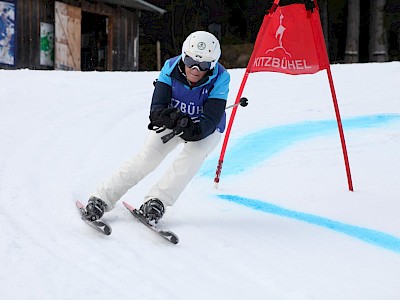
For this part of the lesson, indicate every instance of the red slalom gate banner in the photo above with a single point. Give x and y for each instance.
(286, 45)
(289, 41)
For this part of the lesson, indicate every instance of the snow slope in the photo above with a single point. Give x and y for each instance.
(281, 225)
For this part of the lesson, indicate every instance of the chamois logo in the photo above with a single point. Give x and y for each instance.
(279, 36)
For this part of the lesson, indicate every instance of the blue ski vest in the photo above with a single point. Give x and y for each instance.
(190, 100)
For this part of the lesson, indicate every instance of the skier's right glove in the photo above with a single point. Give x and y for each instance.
(155, 119)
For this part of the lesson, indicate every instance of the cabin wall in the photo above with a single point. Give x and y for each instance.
(32, 16)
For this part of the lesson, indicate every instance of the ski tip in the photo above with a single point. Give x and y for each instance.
(78, 204)
(107, 230)
(170, 236)
(127, 205)
(174, 240)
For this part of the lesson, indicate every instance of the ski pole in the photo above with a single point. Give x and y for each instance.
(242, 102)
(178, 129)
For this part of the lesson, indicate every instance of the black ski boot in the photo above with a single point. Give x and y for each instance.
(95, 209)
(152, 210)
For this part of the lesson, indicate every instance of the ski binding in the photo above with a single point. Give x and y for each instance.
(99, 225)
(168, 235)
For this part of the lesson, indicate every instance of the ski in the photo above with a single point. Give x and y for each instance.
(99, 225)
(168, 235)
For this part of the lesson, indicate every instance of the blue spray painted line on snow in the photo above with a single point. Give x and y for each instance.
(364, 234)
(253, 148)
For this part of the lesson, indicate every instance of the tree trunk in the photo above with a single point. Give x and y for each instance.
(323, 6)
(378, 49)
(353, 32)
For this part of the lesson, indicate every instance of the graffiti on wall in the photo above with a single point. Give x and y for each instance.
(46, 44)
(7, 33)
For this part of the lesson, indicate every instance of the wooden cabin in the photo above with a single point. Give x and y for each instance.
(85, 35)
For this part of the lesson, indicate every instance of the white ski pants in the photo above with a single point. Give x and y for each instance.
(176, 177)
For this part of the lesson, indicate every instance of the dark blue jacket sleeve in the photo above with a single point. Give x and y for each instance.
(213, 111)
(161, 96)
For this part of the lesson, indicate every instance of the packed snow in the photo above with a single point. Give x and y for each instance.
(281, 225)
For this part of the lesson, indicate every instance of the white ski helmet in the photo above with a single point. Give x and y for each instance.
(202, 46)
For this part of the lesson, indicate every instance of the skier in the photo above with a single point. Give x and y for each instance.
(188, 106)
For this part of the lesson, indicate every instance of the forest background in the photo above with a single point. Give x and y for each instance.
(354, 30)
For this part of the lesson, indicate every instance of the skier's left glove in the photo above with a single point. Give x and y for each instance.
(170, 117)
(167, 118)
(186, 129)
(190, 130)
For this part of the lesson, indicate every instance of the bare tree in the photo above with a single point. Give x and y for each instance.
(323, 6)
(353, 32)
(186, 17)
(378, 48)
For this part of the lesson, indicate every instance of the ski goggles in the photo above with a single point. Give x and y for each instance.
(202, 65)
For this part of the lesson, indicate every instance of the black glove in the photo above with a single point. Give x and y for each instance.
(185, 128)
(190, 131)
(155, 119)
(167, 117)
(170, 117)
